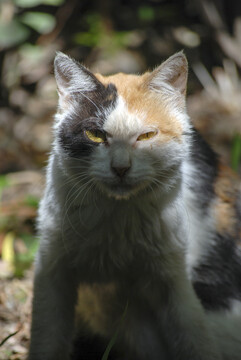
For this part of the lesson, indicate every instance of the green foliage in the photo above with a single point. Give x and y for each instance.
(7, 353)
(23, 260)
(18, 251)
(33, 3)
(12, 33)
(19, 245)
(97, 35)
(31, 244)
(4, 182)
(17, 28)
(236, 152)
(32, 201)
(94, 33)
(146, 13)
(40, 22)
(33, 53)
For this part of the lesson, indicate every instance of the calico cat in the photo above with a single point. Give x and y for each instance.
(139, 224)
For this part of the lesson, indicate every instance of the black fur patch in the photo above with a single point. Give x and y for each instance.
(205, 160)
(91, 348)
(89, 115)
(218, 278)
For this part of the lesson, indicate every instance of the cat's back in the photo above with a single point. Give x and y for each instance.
(213, 193)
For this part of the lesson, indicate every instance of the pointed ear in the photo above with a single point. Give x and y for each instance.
(71, 78)
(171, 76)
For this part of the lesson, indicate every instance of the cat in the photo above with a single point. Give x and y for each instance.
(139, 224)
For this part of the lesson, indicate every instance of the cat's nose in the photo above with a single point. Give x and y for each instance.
(120, 171)
(120, 159)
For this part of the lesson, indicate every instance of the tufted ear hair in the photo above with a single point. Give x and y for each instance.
(72, 78)
(171, 76)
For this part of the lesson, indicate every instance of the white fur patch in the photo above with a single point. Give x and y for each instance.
(199, 227)
(122, 124)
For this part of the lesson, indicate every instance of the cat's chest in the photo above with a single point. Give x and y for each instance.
(108, 243)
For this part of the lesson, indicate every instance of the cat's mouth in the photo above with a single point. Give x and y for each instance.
(123, 191)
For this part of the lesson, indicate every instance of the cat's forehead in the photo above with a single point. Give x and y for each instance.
(143, 107)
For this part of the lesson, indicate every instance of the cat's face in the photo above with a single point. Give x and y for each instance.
(123, 134)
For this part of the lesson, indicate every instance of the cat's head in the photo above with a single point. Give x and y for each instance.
(123, 134)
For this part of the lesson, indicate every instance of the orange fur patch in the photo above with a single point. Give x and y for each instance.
(138, 98)
(226, 189)
(94, 307)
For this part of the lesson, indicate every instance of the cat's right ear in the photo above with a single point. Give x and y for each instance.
(72, 78)
(170, 79)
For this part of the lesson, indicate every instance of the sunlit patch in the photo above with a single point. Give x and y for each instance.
(147, 136)
(96, 136)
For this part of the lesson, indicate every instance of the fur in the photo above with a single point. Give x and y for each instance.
(145, 228)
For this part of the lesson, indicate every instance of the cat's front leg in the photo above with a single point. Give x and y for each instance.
(53, 311)
(141, 337)
(184, 324)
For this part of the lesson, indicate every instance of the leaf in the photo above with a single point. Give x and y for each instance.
(32, 245)
(4, 181)
(115, 336)
(32, 54)
(32, 201)
(27, 3)
(8, 254)
(86, 39)
(53, 2)
(12, 33)
(41, 22)
(26, 247)
(146, 13)
(33, 3)
(236, 152)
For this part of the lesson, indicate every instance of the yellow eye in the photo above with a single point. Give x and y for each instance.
(96, 136)
(146, 136)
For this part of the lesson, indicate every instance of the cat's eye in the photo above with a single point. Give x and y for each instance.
(146, 136)
(96, 136)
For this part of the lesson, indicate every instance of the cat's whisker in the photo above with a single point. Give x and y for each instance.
(95, 193)
(85, 188)
(166, 173)
(70, 198)
(159, 182)
(90, 185)
(81, 187)
(75, 196)
(92, 102)
(153, 190)
(73, 178)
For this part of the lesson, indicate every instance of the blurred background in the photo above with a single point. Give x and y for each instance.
(108, 36)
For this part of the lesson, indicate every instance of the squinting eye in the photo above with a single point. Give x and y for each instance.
(146, 136)
(96, 136)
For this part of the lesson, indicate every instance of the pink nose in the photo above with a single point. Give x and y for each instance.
(120, 171)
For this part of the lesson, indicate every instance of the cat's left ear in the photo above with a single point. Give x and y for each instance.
(72, 78)
(171, 76)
